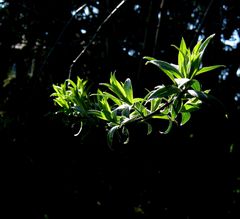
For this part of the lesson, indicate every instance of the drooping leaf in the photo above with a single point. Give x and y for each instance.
(167, 68)
(164, 91)
(190, 107)
(149, 128)
(168, 128)
(185, 117)
(181, 82)
(125, 134)
(110, 135)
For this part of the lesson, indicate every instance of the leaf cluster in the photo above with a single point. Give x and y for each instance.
(117, 106)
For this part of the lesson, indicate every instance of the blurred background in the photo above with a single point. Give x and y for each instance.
(193, 172)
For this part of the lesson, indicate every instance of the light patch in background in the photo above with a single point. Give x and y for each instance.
(3, 4)
(137, 8)
(232, 42)
(238, 72)
(237, 97)
(223, 75)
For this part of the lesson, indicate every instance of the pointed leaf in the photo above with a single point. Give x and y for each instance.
(167, 68)
(149, 58)
(110, 135)
(205, 43)
(209, 68)
(125, 132)
(113, 98)
(128, 90)
(164, 91)
(181, 56)
(196, 85)
(168, 128)
(185, 117)
(195, 50)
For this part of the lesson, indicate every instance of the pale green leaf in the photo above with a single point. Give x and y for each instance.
(128, 90)
(209, 68)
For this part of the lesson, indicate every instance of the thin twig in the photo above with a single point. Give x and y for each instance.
(94, 36)
(59, 37)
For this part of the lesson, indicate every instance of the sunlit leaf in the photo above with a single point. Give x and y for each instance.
(181, 56)
(185, 117)
(181, 81)
(195, 50)
(205, 43)
(196, 85)
(190, 107)
(167, 68)
(209, 68)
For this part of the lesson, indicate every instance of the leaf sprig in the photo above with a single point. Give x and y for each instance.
(117, 107)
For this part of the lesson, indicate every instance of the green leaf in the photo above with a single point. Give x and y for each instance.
(117, 86)
(155, 104)
(205, 44)
(167, 68)
(149, 129)
(164, 91)
(185, 117)
(168, 128)
(199, 94)
(196, 85)
(195, 64)
(98, 114)
(175, 108)
(181, 56)
(149, 58)
(125, 133)
(181, 81)
(128, 90)
(209, 68)
(110, 135)
(195, 50)
(112, 97)
(190, 107)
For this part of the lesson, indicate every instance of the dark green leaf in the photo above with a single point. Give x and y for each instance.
(163, 91)
(110, 135)
(168, 128)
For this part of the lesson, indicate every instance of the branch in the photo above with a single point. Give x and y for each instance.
(94, 36)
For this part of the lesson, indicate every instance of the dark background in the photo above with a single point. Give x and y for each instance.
(193, 172)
